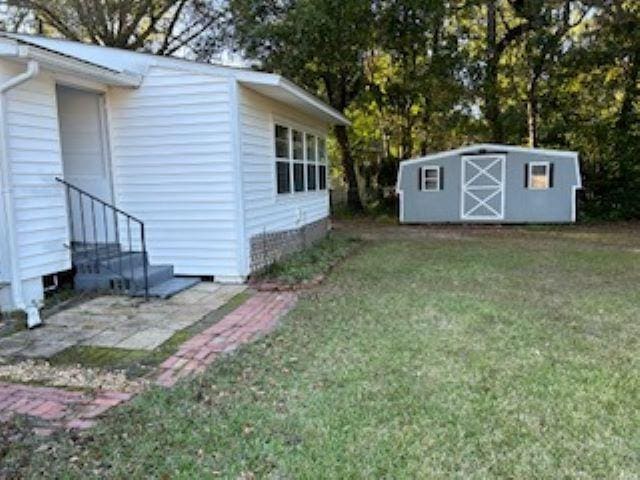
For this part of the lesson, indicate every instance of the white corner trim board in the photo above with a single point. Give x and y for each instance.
(242, 244)
(33, 315)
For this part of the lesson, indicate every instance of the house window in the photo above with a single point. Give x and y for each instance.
(301, 160)
(322, 164)
(539, 175)
(312, 167)
(283, 175)
(430, 178)
(298, 161)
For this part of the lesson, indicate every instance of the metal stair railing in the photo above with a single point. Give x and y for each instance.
(81, 204)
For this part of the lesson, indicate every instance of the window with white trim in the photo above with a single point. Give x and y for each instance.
(283, 175)
(301, 160)
(539, 175)
(322, 164)
(430, 178)
(298, 161)
(312, 167)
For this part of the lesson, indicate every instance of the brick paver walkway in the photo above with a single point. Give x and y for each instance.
(59, 408)
(255, 317)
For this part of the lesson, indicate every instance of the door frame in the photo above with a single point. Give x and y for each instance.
(500, 187)
(103, 120)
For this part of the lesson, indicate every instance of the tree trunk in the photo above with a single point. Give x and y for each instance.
(353, 195)
(532, 109)
(492, 106)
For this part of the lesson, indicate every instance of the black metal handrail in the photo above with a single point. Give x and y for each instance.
(109, 211)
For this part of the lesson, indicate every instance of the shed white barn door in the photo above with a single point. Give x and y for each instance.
(483, 187)
(84, 157)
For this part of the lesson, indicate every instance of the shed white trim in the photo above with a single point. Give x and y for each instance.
(496, 187)
(423, 179)
(547, 174)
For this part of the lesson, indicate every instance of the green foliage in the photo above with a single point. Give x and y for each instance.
(419, 76)
(317, 43)
(312, 261)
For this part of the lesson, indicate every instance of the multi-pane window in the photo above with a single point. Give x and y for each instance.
(430, 178)
(322, 164)
(312, 167)
(283, 176)
(301, 161)
(298, 161)
(539, 175)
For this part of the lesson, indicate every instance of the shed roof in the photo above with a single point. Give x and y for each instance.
(126, 68)
(492, 148)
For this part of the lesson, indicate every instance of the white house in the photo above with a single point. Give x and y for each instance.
(226, 168)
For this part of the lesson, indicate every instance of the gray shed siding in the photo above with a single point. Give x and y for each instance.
(521, 205)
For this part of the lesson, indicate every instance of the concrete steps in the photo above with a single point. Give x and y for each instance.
(105, 267)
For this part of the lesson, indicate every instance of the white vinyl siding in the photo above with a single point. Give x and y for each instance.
(265, 210)
(35, 159)
(173, 167)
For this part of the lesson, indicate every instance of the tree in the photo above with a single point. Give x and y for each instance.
(320, 44)
(415, 75)
(159, 26)
(418, 80)
(410, 88)
(516, 17)
(544, 46)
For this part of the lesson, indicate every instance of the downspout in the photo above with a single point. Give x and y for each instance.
(33, 315)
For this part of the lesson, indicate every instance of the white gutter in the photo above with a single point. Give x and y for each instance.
(33, 315)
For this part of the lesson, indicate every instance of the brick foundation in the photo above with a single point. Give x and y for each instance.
(269, 247)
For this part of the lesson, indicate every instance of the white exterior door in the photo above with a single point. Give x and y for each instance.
(482, 187)
(85, 159)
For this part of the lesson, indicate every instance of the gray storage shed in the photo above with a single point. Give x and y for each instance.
(489, 183)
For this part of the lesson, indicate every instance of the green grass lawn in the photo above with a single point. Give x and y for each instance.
(472, 355)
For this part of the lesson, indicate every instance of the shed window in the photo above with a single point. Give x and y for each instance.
(539, 175)
(430, 178)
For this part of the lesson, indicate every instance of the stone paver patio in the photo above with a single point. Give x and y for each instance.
(119, 322)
